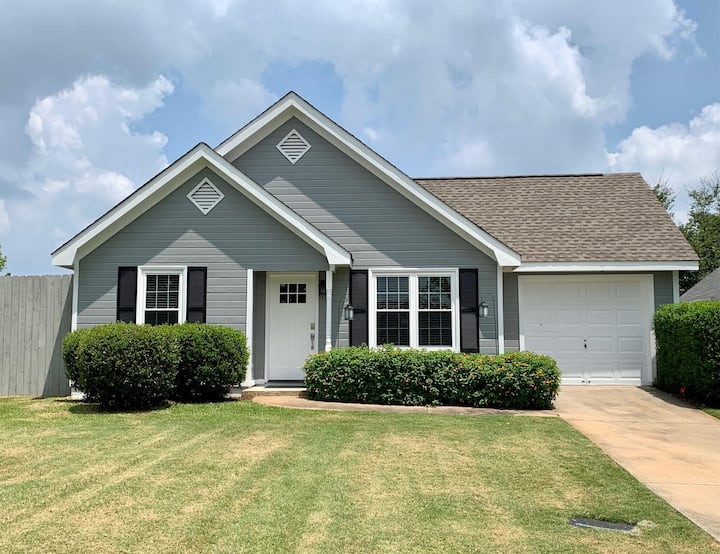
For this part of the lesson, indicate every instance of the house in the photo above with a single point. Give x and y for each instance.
(707, 289)
(296, 232)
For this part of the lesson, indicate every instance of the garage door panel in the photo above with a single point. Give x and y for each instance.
(629, 317)
(570, 317)
(631, 345)
(601, 345)
(600, 317)
(611, 314)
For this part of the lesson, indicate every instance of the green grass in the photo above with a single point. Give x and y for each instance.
(715, 412)
(240, 477)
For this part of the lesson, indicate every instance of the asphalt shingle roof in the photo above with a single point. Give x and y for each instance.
(707, 289)
(568, 218)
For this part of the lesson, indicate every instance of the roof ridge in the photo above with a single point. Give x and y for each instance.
(538, 175)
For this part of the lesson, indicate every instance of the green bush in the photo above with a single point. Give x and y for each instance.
(71, 346)
(122, 365)
(688, 350)
(212, 359)
(520, 380)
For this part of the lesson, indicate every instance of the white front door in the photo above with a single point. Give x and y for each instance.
(291, 332)
(597, 327)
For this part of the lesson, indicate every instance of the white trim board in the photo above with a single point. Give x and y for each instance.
(292, 105)
(573, 267)
(200, 157)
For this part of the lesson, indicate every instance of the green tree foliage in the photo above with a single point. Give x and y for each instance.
(3, 259)
(702, 229)
(664, 194)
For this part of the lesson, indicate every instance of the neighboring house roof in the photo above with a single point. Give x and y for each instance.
(560, 220)
(168, 180)
(292, 105)
(707, 289)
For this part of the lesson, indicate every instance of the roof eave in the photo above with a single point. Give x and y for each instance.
(582, 266)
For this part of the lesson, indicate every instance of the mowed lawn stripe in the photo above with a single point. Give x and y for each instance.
(239, 477)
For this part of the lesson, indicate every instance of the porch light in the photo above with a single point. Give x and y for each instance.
(321, 287)
(484, 310)
(348, 313)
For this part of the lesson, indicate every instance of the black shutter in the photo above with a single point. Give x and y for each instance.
(469, 310)
(359, 302)
(196, 294)
(126, 294)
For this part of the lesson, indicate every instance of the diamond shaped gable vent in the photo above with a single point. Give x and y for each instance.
(205, 196)
(293, 146)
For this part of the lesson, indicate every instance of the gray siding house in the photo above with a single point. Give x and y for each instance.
(297, 233)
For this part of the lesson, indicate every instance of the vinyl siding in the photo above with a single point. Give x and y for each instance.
(510, 301)
(663, 282)
(377, 225)
(258, 346)
(234, 236)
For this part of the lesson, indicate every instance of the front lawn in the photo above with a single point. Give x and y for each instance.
(234, 477)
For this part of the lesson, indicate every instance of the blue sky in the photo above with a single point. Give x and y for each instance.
(105, 94)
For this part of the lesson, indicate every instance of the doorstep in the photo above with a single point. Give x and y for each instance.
(295, 391)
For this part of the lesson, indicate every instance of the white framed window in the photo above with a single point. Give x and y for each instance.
(161, 293)
(415, 308)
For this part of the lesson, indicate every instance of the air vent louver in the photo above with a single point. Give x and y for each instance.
(293, 146)
(205, 196)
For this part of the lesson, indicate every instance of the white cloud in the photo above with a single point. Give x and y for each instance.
(85, 158)
(679, 153)
(4, 218)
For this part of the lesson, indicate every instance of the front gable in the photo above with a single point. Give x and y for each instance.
(292, 107)
(352, 206)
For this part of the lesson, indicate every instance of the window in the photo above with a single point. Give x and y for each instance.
(293, 293)
(393, 310)
(414, 309)
(161, 295)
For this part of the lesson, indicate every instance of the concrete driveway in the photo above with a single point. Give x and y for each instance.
(668, 446)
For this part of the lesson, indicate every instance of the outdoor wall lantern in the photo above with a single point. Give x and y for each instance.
(321, 287)
(484, 310)
(348, 313)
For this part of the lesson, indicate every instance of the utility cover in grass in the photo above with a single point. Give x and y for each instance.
(599, 524)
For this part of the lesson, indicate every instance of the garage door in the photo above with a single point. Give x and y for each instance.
(597, 327)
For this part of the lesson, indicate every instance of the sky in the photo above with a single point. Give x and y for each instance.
(98, 96)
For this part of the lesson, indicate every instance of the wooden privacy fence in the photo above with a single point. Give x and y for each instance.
(35, 315)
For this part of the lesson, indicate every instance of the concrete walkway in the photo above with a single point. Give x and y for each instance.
(670, 447)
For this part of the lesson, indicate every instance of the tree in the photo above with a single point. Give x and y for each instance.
(3, 259)
(702, 229)
(665, 194)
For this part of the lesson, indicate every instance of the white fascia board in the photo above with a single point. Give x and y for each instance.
(144, 198)
(293, 105)
(163, 184)
(573, 267)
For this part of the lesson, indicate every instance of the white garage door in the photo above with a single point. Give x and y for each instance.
(597, 327)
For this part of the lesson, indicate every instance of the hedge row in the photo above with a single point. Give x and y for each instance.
(520, 380)
(688, 350)
(122, 365)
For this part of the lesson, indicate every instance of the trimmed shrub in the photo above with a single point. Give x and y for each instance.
(520, 380)
(688, 350)
(212, 359)
(122, 365)
(71, 346)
